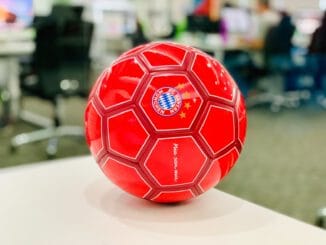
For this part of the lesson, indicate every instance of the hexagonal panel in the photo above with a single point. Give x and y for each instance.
(227, 161)
(162, 55)
(127, 136)
(242, 118)
(212, 176)
(173, 196)
(126, 177)
(214, 77)
(93, 127)
(175, 161)
(171, 102)
(120, 83)
(218, 129)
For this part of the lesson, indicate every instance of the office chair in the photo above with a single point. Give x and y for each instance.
(321, 218)
(279, 66)
(60, 69)
(279, 91)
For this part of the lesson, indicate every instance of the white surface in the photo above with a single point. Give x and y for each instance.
(71, 202)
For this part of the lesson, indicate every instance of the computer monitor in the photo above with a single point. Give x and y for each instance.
(16, 13)
(237, 20)
(114, 19)
(201, 23)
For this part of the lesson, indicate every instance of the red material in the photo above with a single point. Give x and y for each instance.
(242, 119)
(93, 121)
(126, 134)
(163, 55)
(216, 79)
(166, 122)
(220, 121)
(172, 155)
(130, 181)
(120, 83)
(174, 196)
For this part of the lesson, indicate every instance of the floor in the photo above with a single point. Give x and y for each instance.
(283, 164)
(282, 167)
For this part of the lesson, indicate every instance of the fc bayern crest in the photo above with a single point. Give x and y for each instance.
(167, 101)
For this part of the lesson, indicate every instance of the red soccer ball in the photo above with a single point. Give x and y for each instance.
(165, 122)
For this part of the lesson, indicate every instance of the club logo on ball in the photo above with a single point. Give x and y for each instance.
(166, 101)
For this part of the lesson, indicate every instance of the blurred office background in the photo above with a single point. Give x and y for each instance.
(51, 52)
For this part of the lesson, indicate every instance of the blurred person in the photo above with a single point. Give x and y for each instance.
(318, 41)
(277, 50)
(278, 39)
(263, 19)
(317, 50)
(248, 66)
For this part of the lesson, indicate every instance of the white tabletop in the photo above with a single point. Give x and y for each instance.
(71, 202)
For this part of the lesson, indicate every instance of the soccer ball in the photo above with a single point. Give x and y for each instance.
(165, 122)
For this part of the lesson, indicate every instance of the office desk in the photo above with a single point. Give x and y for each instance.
(12, 47)
(71, 202)
(212, 43)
